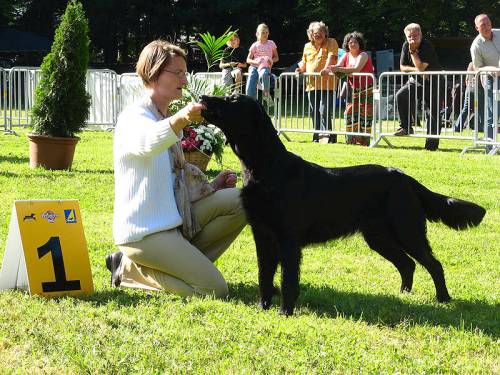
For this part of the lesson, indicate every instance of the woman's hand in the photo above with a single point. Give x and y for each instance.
(325, 71)
(187, 115)
(225, 179)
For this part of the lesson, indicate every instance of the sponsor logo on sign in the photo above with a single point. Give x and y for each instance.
(50, 216)
(70, 216)
(30, 218)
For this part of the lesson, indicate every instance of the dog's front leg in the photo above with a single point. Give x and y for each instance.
(290, 255)
(267, 256)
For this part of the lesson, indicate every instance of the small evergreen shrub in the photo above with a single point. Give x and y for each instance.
(61, 101)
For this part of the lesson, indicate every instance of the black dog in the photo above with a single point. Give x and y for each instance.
(290, 203)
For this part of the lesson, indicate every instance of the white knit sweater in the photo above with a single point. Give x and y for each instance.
(144, 192)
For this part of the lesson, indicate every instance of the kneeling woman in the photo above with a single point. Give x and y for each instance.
(170, 223)
(359, 110)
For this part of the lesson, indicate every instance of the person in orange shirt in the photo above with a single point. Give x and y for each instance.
(320, 52)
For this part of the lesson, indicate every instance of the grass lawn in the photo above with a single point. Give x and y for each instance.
(350, 317)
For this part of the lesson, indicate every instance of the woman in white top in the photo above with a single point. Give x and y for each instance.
(170, 223)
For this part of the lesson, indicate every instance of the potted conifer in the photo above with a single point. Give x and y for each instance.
(61, 101)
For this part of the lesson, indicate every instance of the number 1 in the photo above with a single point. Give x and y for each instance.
(53, 245)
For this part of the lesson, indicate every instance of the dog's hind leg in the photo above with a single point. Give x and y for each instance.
(267, 256)
(290, 255)
(379, 238)
(423, 255)
(410, 230)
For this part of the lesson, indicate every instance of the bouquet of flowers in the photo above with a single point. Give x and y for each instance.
(205, 138)
(201, 137)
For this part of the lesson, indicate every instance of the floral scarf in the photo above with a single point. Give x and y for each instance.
(190, 184)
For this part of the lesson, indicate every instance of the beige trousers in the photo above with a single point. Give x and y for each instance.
(167, 261)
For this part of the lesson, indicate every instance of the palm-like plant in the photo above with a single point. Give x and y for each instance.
(213, 47)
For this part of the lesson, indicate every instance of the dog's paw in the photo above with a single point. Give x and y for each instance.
(443, 298)
(287, 311)
(265, 304)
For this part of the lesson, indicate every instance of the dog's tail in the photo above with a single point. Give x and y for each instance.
(455, 213)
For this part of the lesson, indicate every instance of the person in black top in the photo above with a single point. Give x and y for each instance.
(418, 55)
(233, 62)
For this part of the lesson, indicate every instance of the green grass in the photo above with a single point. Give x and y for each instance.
(350, 316)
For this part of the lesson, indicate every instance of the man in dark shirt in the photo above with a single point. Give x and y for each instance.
(418, 55)
(232, 63)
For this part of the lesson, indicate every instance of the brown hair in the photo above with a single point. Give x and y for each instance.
(154, 58)
(354, 35)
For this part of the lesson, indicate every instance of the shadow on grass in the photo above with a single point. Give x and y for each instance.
(384, 310)
(120, 297)
(93, 171)
(417, 148)
(14, 159)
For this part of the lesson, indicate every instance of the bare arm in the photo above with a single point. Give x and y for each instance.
(301, 68)
(275, 55)
(420, 66)
(363, 58)
(250, 59)
(330, 60)
(224, 65)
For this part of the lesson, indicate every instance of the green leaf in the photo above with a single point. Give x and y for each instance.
(213, 47)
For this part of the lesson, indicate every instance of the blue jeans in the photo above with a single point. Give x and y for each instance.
(321, 108)
(466, 110)
(254, 74)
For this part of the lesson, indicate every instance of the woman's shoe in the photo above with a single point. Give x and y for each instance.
(113, 262)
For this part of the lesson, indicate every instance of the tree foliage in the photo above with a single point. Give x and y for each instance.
(119, 29)
(61, 101)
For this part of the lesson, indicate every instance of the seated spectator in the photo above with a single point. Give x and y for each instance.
(467, 110)
(359, 110)
(232, 63)
(261, 57)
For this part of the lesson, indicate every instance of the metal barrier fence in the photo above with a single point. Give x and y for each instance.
(433, 105)
(430, 105)
(327, 106)
(3, 97)
(102, 86)
(486, 116)
(130, 89)
(19, 84)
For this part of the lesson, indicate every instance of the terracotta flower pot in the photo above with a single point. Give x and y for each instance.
(51, 152)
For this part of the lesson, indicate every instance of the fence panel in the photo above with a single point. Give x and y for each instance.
(21, 82)
(101, 84)
(328, 105)
(425, 104)
(130, 89)
(487, 111)
(21, 85)
(4, 73)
